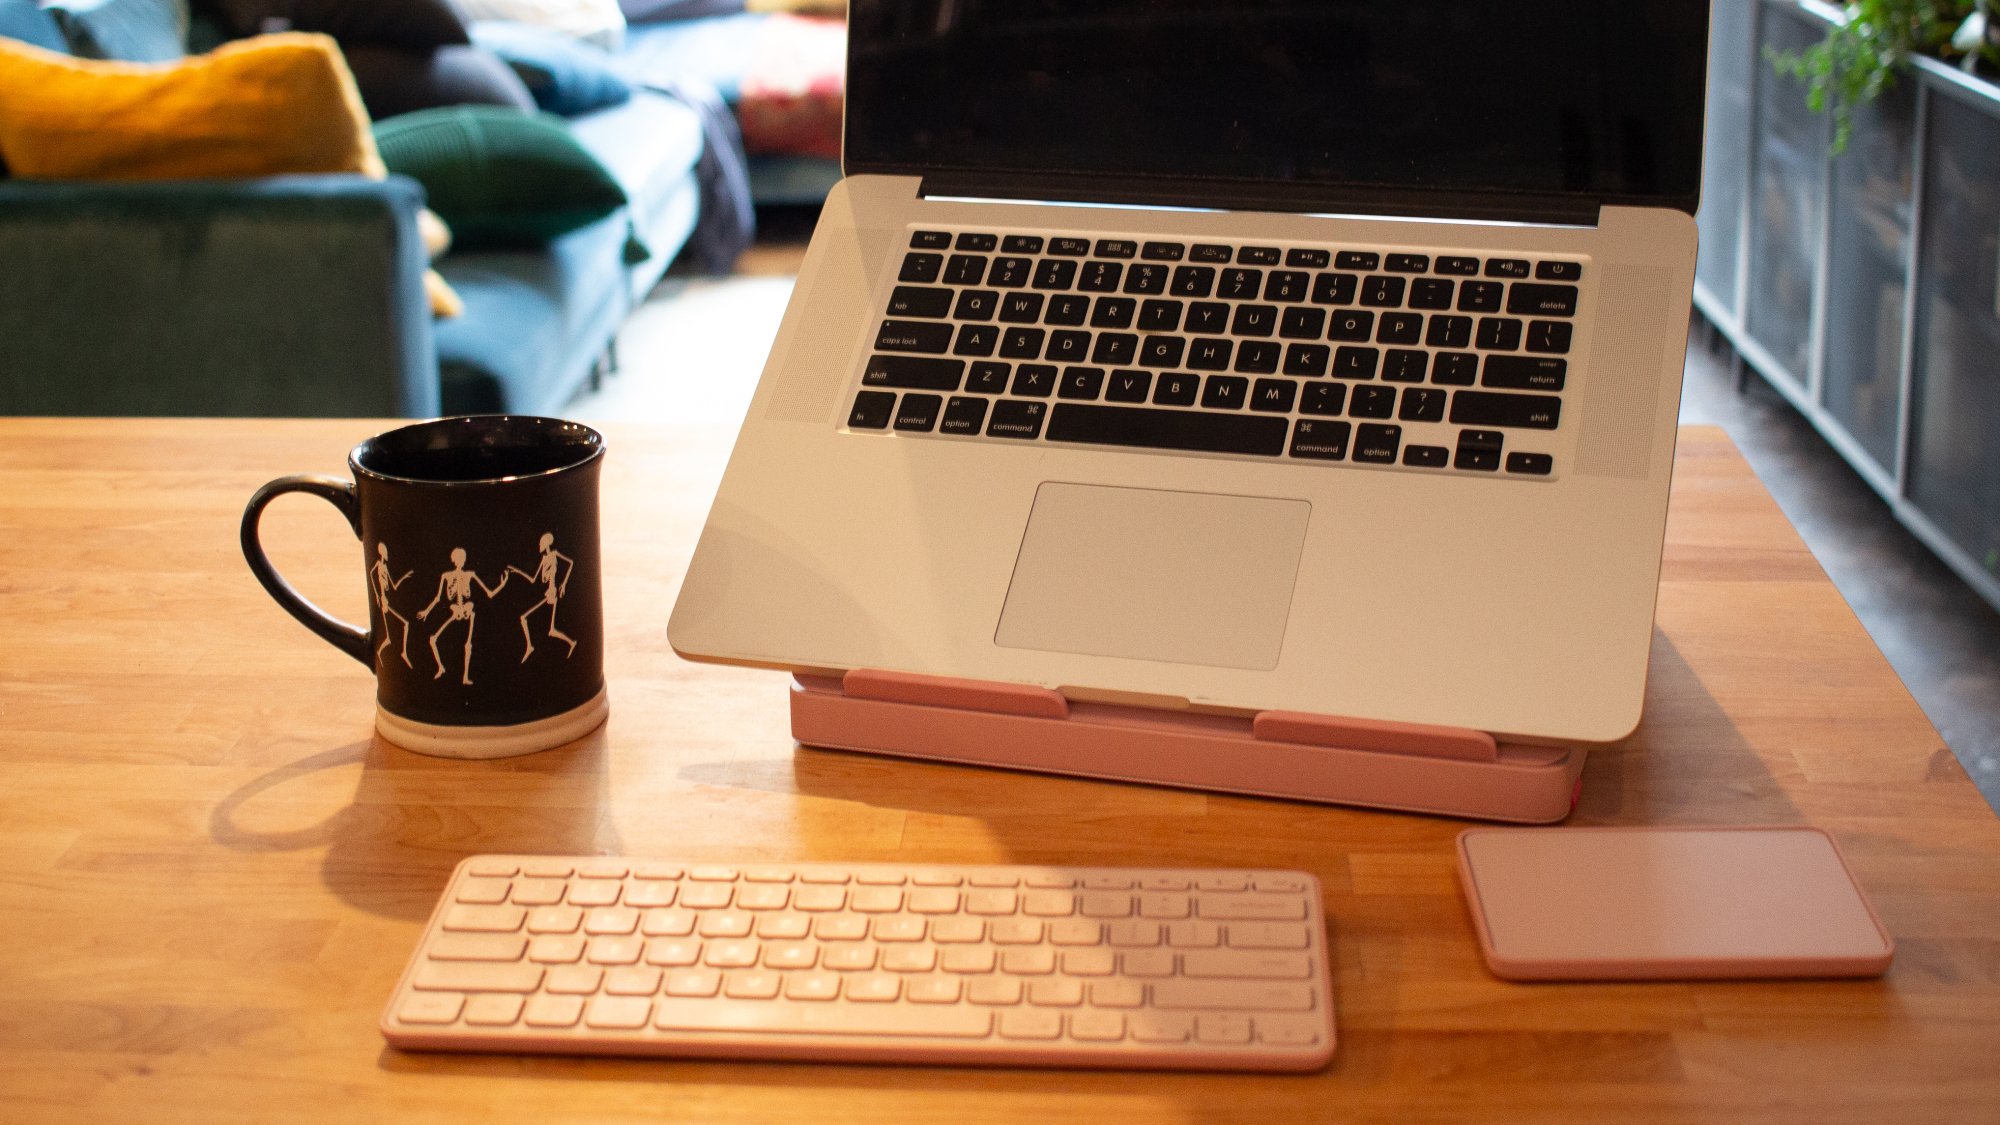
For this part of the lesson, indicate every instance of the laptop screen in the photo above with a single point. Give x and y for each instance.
(1597, 100)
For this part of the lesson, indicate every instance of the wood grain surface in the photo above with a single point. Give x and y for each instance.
(211, 874)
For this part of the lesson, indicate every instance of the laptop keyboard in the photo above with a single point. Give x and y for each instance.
(1410, 359)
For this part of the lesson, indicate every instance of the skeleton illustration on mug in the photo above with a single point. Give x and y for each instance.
(551, 571)
(456, 585)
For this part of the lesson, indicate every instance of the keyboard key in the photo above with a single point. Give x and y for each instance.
(922, 268)
(432, 1008)
(1240, 284)
(476, 976)
(1530, 464)
(1081, 383)
(485, 919)
(1231, 995)
(1069, 247)
(1506, 267)
(1431, 293)
(1224, 392)
(964, 269)
(1147, 279)
(820, 1019)
(1116, 248)
(479, 947)
(1381, 291)
(1255, 320)
(1307, 360)
(912, 336)
(912, 300)
(1287, 285)
(1334, 288)
(1233, 964)
(1455, 369)
(1021, 244)
(1257, 357)
(1128, 386)
(977, 243)
(1163, 252)
(1478, 450)
(930, 240)
(1100, 1027)
(988, 378)
(1021, 308)
(1258, 255)
(1350, 324)
(1323, 398)
(1480, 296)
(1030, 1023)
(1498, 333)
(1308, 259)
(1407, 263)
(1449, 332)
(1067, 347)
(1530, 299)
(1208, 252)
(553, 1011)
(1422, 404)
(1219, 1028)
(915, 414)
(1458, 266)
(1160, 316)
(916, 373)
(1525, 372)
(1320, 440)
(1010, 273)
(1369, 401)
(1054, 273)
(1268, 935)
(1549, 336)
(1210, 354)
(963, 415)
(1100, 277)
(1357, 260)
(1017, 419)
(1022, 343)
(1162, 351)
(1376, 444)
(1067, 310)
(1400, 328)
(1355, 363)
(1402, 365)
(1167, 429)
(1115, 349)
(1559, 271)
(1487, 408)
(1302, 324)
(1207, 318)
(1177, 390)
(976, 340)
(1193, 281)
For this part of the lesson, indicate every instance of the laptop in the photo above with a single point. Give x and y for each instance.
(1317, 356)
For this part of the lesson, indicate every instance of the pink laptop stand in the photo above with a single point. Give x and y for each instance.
(1449, 771)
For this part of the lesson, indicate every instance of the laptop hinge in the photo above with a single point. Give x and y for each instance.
(1286, 196)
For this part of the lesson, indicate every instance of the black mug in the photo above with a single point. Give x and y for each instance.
(485, 594)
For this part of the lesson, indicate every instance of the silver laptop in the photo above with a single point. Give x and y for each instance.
(1321, 356)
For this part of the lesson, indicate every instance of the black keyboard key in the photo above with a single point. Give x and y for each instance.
(1426, 456)
(1240, 284)
(1350, 324)
(963, 415)
(1163, 252)
(871, 410)
(1302, 323)
(1116, 248)
(1334, 288)
(1067, 310)
(1323, 398)
(1529, 298)
(1177, 390)
(1207, 318)
(1068, 347)
(911, 300)
(1400, 328)
(1422, 404)
(1128, 386)
(1489, 408)
(964, 269)
(974, 304)
(1531, 464)
(1209, 354)
(1115, 349)
(1559, 271)
(913, 336)
(1454, 369)
(1499, 334)
(1449, 331)
(918, 414)
(1302, 259)
(921, 268)
(1273, 396)
(976, 339)
(1054, 273)
(1208, 252)
(1480, 296)
(1308, 360)
(1113, 312)
(1069, 247)
(930, 240)
(1382, 292)
(1010, 273)
(1146, 278)
(1081, 383)
(1376, 445)
(1224, 392)
(977, 243)
(1321, 441)
(1257, 357)
(1168, 429)
(1550, 337)
(1506, 267)
(1017, 419)
(1034, 380)
(1478, 450)
(1022, 343)
(1162, 351)
(1404, 365)
(988, 378)
(1255, 320)
(1021, 308)
(1407, 263)
(1160, 316)
(1372, 400)
(1287, 285)
(1459, 267)
(1193, 281)
(1357, 260)
(1258, 255)
(1101, 277)
(1021, 244)
(1431, 292)
(1525, 373)
(1356, 363)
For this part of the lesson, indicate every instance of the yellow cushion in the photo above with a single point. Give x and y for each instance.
(264, 106)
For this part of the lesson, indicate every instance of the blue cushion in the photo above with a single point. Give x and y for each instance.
(127, 30)
(22, 20)
(564, 75)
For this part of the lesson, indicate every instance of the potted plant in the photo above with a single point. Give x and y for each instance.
(1861, 56)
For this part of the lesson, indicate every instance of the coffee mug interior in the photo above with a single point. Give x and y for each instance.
(481, 448)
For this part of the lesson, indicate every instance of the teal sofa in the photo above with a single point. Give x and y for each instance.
(303, 295)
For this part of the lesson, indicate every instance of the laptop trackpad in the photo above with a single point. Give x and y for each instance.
(1186, 577)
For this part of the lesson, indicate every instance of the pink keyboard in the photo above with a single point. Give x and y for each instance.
(1039, 966)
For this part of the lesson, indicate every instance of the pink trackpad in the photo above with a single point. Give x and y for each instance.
(1667, 904)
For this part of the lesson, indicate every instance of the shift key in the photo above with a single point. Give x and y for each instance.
(913, 372)
(1486, 408)
(1255, 908)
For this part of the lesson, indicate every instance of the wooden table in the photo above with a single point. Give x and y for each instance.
(211, 874)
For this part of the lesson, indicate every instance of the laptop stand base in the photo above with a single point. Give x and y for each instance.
(1438, 770)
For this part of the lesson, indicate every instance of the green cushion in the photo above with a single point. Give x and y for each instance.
(499, 177)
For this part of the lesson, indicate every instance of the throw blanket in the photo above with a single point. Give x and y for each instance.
(728, 222)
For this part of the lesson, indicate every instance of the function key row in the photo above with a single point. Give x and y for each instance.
(1220, 254)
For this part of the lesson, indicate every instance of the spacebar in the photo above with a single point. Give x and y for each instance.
(822, 1019)
(1168, 429)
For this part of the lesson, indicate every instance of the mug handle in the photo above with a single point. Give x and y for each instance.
(339, 493)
